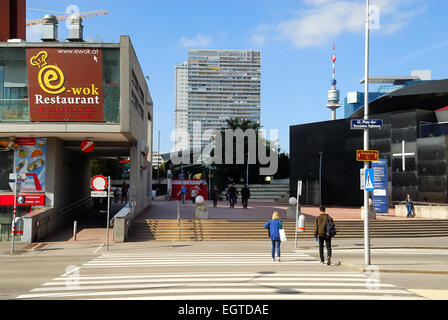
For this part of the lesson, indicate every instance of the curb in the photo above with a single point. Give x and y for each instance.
(362, 269)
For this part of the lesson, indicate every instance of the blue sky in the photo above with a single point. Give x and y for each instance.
(295, 39)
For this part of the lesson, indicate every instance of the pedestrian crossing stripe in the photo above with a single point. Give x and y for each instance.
(163, 286)
(194, 259)
(212, 285)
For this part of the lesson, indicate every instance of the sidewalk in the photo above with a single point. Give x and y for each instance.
(415, 255)
(161, 209)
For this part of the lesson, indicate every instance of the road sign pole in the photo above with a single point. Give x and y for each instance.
(297, 209)
(178, 219)
(366, 139)
(13, 224)
(108, 211)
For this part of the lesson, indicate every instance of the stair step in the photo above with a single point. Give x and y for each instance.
(232, 230)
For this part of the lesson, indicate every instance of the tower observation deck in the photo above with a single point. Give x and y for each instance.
(333, 93)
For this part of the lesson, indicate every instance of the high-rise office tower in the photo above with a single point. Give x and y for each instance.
(222, 84)
(180, 105)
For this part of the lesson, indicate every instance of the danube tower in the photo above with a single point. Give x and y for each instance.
(333, 93)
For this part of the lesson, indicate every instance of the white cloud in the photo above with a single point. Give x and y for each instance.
(258, 40)
(199, 41)
(323, 20)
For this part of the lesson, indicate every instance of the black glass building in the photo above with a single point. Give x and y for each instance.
(408, 115)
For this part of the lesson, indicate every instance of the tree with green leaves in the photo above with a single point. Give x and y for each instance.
(228, 173)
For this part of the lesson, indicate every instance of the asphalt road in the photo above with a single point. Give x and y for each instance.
(404, 263)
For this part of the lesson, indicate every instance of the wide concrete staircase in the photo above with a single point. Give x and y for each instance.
(239, 230)
(263, 192)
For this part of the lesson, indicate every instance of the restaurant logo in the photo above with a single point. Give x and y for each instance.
(65, 84)
(50, 77)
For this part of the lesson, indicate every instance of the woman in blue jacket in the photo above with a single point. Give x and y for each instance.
(274, 226)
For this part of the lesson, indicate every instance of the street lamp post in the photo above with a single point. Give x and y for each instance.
(320, 178)
(247, 170)
(158, 164)
(366, 139)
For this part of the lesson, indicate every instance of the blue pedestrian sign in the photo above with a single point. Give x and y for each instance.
(366, 124)
(369, 179)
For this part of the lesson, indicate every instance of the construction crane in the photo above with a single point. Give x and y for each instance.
(83, 15)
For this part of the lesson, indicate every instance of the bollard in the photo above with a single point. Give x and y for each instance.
(74, 230)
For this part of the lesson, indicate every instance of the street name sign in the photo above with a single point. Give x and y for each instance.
(366, 124)
(367, 155)
(98, 194)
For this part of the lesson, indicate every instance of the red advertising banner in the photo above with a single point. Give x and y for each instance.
(65, 84)
(199, 185)
(22, 200)
(25, 141)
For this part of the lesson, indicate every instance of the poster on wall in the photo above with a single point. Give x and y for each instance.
(65, 84)
(199, 185)
(380, 196)
(30, 158)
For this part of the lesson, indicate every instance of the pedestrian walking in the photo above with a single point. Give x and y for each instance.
(320, 231)
(124, 192)
(194, 194)
(274, 225)
(183, 193)
(245, 195)
(232, 195)
(215, 193)
(410, 207)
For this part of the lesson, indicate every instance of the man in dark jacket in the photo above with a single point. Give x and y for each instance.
(215, 195)
(245, 195)
(232, 195)
(320, 231)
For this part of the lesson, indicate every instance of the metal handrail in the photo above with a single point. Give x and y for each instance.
(423, 203)
(73, 205)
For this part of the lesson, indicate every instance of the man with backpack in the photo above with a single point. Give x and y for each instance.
(325, 229)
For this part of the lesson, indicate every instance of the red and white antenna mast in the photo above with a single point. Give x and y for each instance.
(333, 93)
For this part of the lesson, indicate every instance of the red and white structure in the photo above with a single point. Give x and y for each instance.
(333, 93)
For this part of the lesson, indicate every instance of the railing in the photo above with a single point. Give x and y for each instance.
(73, 206)
(419, 203)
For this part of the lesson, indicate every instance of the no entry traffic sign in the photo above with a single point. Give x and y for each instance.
(98, 183)
(87, 146)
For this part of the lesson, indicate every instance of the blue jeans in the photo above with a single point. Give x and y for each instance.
(274, 242)
(409, 207)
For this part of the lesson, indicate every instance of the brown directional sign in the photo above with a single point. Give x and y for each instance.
(367, 155)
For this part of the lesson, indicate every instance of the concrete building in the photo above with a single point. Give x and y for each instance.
(156, 159)
(222, 84)
(53, 96)
(354, 102)
(180, 105)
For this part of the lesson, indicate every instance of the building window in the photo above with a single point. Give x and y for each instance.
(133, 99)
(13, 85)
(111, 85)
(134, 80)
(140, 94)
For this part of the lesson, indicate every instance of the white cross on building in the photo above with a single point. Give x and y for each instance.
(403, 154)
